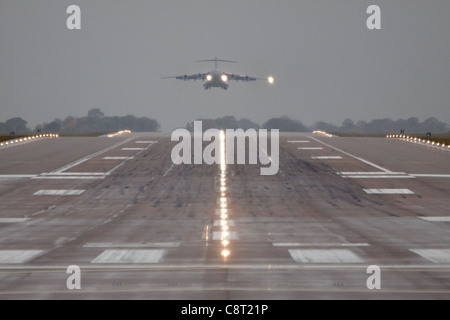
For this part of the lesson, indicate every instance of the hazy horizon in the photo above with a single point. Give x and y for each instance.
(327, 65)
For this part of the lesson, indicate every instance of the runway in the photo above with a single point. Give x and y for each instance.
(140, 227)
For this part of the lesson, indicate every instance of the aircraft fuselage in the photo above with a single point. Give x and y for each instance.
(216, 79)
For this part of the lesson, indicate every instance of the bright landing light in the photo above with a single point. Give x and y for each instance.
(209, 77)
(270, 79)
(224, 78)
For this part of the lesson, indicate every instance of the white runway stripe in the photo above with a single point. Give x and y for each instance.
(371, 173)
(118, 158)
(299, 141)
(431, 175)
(17, 176)
(380, 177)
(74, 174)
(57, 177)
(436, 219)
(13, 220)
(434, 255)
(145, 142)
(133, 245)
(388, 191)
(133, 149)
(58, 192)
(311, 148)
(324, 256)
(330, 244)
(129, 256)
(327, 158)
(18, 256)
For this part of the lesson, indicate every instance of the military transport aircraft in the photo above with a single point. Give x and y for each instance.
(216, 78)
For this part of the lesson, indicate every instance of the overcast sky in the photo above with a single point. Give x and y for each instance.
(327, 65)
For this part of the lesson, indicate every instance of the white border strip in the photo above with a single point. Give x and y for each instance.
(388, 191)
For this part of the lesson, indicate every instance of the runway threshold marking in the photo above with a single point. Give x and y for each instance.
(388, 191)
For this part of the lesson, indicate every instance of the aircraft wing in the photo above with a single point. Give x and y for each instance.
(238, 77)
(186, 77)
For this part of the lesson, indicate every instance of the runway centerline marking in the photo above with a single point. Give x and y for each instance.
(351, 155)
(388, 191)
(299, 141)
(310, 148)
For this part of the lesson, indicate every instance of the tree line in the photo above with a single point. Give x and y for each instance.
(286, 124)
(97, 122)
(94, 122)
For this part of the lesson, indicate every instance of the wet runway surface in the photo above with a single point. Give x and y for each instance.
(140, 227)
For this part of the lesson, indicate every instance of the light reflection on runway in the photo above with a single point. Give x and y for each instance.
(223, 202)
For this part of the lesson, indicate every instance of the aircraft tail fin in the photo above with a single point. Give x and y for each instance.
(216, 60)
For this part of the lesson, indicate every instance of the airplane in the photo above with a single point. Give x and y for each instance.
(216, 78)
